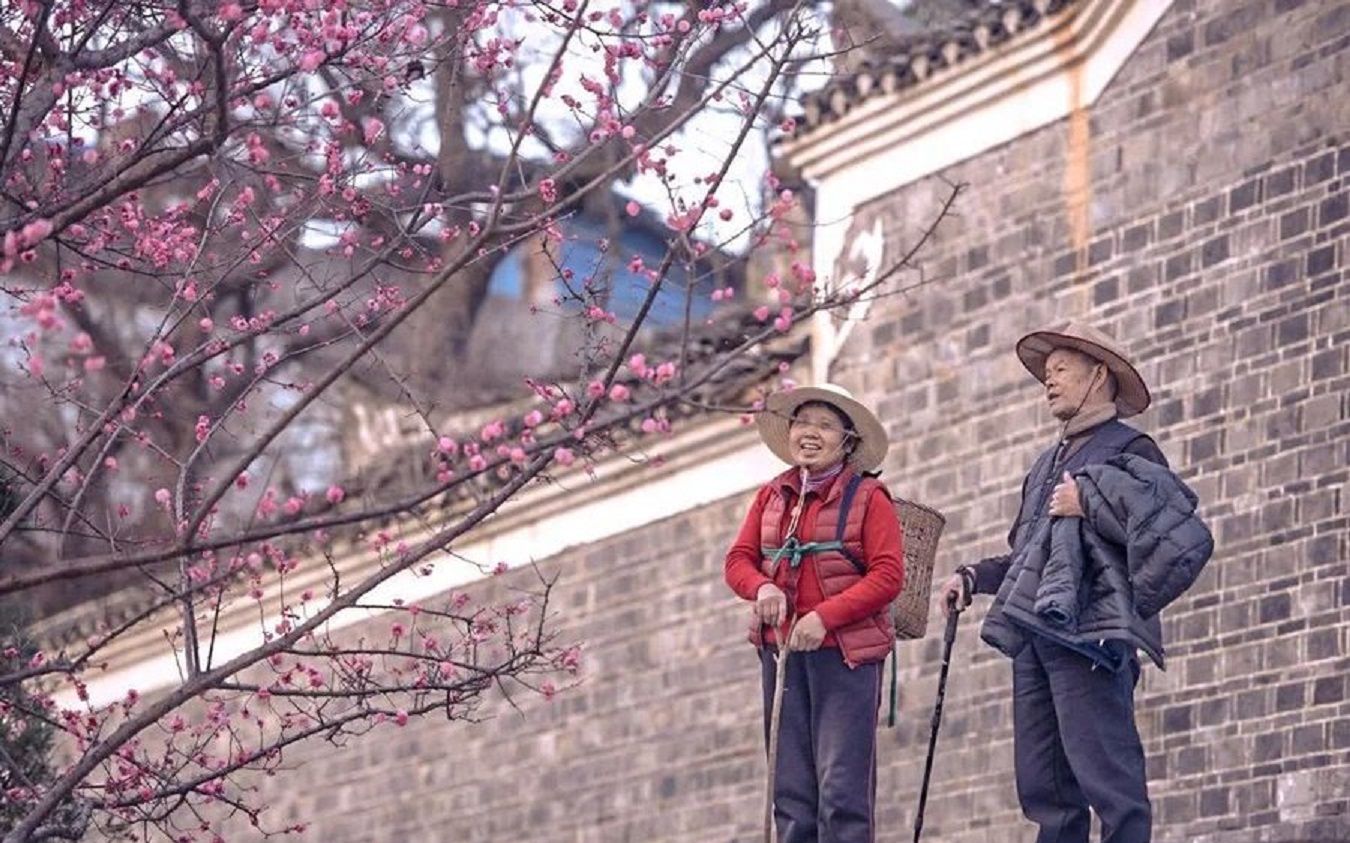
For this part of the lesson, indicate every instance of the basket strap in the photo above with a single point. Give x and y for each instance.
(850, 492)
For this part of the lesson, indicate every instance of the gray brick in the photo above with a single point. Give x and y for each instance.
(1333, 209)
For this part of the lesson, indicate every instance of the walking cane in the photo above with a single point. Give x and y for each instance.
(948, 638)
(779, 680)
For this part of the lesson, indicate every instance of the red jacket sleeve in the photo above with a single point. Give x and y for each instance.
(741, 568)
(883, 554)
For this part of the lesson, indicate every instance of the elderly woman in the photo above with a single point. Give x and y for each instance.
(820, 553)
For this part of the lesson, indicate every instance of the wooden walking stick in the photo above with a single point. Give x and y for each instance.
(780, 680)
(780, 677)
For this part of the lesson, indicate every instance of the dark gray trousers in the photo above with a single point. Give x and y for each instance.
(1075, 745)
(826, 785)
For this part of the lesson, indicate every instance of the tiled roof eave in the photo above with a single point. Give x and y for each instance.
(922, 59)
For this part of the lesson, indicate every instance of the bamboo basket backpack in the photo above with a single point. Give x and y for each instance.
(921, 527)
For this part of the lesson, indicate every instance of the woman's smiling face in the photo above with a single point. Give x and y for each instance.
(817, 437)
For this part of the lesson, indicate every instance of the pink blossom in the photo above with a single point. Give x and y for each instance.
(335, 494)
(36, 231)
(267, 507)
(595, 389)
(534, 418)
(804, 274)
(477, 462)
(548, 191)
(563, 408)
(563, 457)
(638, 363)
(618, 392)
(372, 128)
(162, 497)
(446, 445)
(401, 718)
(762, 313)
(518, 456)
(633, 208)
(571, 659)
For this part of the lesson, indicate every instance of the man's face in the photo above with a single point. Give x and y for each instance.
(1069, 375)
(816, 438)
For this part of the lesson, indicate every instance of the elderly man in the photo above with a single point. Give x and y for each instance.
(1075, 741)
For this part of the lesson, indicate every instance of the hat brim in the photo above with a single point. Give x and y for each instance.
(1132, 396)
(774, 419)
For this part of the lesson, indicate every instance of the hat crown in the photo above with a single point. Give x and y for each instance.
(1090, 334)
(834, 388)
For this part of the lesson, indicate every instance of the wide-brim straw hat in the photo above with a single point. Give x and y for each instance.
(1131, 393)
(779, 408)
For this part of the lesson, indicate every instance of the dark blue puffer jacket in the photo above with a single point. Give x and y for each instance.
(1084, 582)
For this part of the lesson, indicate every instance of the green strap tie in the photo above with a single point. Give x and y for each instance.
(895, 683)
(796, 550)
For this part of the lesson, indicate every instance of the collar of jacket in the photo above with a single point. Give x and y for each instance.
(1088, 418)
(791, 481)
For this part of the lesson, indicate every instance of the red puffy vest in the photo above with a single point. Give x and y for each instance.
(862, 642)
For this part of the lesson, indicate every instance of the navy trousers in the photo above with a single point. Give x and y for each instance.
(826, 785)
(1075, 745)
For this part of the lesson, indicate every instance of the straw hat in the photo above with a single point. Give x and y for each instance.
(1131, 394)
(778, 410)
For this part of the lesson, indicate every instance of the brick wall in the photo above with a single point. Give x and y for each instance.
(1219, 230)
(1218, 233)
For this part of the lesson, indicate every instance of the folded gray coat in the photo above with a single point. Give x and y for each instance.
(1084, 582)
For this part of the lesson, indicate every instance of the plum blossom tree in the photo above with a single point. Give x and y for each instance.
(215, 214)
